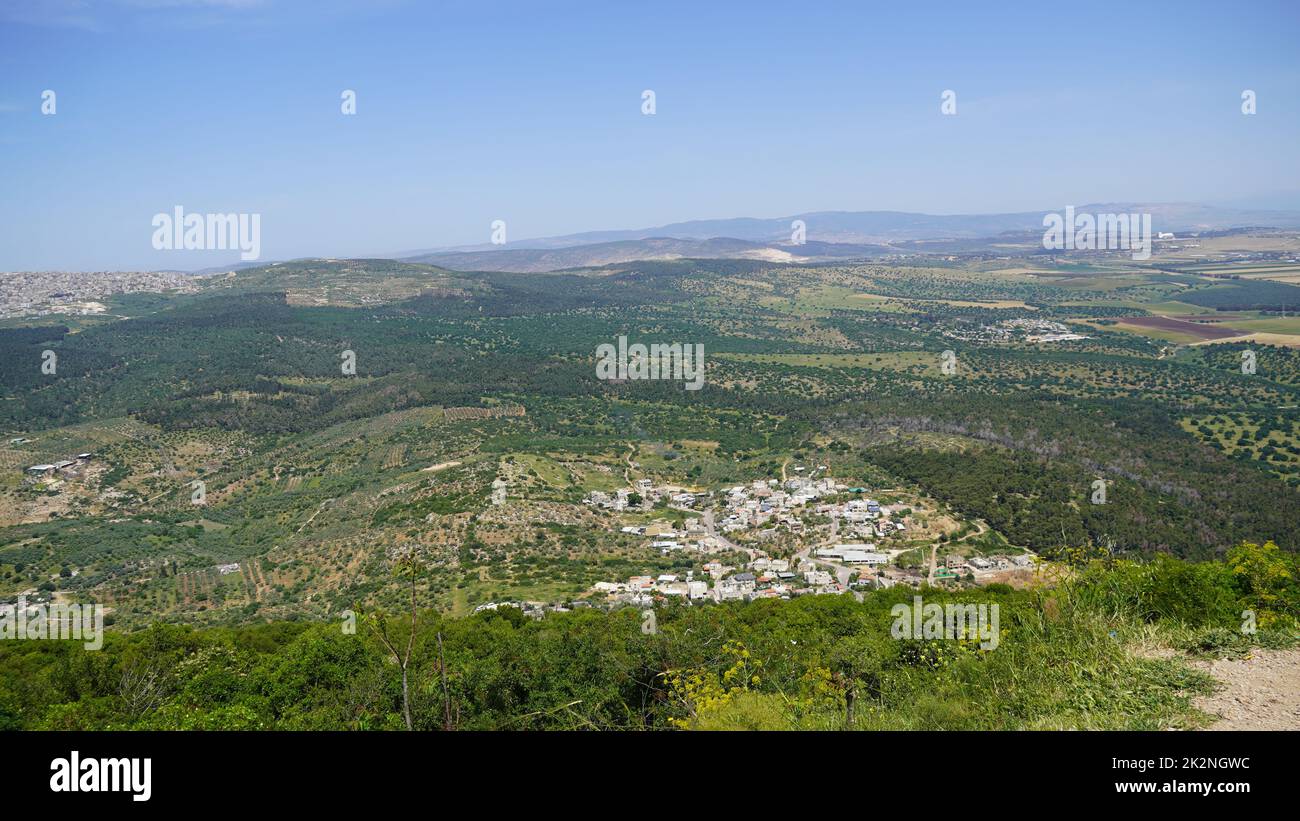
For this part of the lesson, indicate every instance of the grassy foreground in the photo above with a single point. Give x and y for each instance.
(1073, 654)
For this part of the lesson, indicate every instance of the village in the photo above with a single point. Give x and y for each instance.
(771, 539)
(1018, 330)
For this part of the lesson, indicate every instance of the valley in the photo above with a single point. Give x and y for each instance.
(474, 426)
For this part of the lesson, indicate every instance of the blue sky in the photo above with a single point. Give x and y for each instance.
(531, 113)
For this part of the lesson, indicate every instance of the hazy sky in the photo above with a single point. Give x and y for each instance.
(468, 112)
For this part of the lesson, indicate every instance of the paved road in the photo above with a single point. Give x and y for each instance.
(709, 527)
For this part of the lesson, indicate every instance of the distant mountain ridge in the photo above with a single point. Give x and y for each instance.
(874, 227)
(534, 260)
(830, 235)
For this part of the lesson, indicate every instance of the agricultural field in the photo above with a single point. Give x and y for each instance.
(1178, 329)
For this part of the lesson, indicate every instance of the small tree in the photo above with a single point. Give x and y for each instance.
(856, 663)
(408, 565)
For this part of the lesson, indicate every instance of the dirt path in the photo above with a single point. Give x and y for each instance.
(1261, 692)
(980, 530)
(631, 450)
(319, 508)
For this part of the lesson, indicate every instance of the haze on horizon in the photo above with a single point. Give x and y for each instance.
(519, 113)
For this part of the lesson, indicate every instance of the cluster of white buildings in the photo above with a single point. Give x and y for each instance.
(532, 609)
(41, 293)
(751, 507)
(762, 578)
(851, 560)
(763, 507)
(667, 537)
(863, 554)
(1019, 560)
(648, 495)
(52, 472)
(863, 518)
(1025, 330)
(760, 502)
